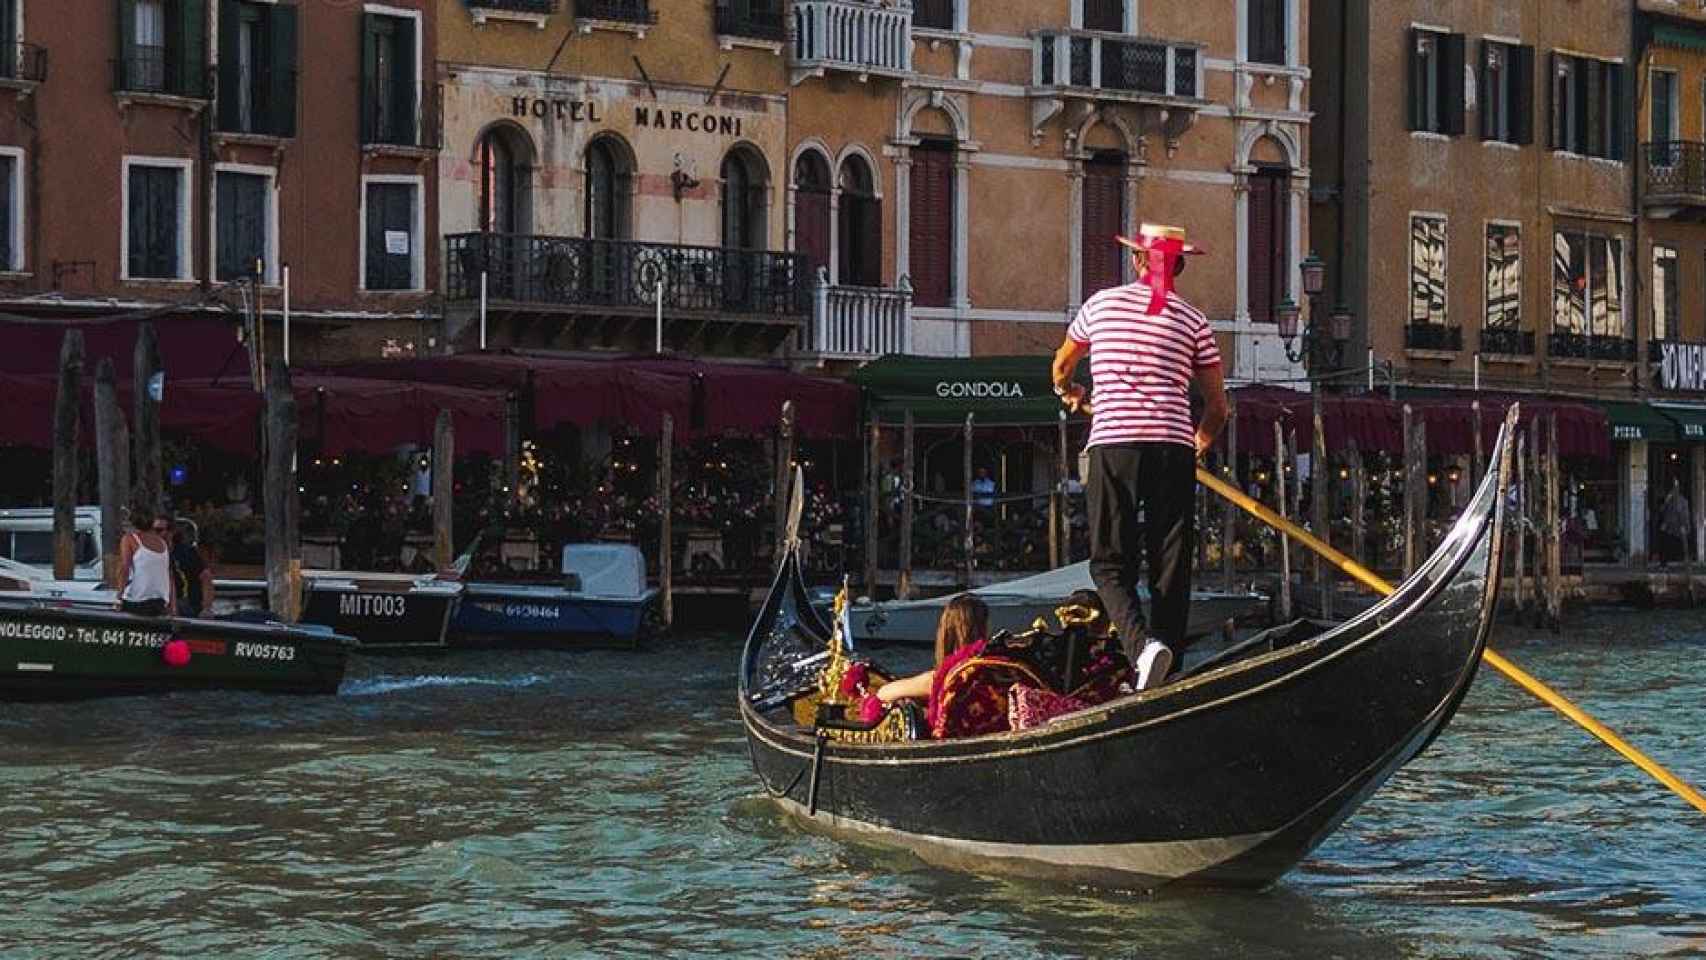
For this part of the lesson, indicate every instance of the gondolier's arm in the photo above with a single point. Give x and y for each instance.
(1066, 361)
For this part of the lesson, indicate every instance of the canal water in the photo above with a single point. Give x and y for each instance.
(601, 804)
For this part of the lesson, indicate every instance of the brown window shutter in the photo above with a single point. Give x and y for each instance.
(1261, 249)
(1520, 69)
(811, 227)
(1103, 219)
(931, 232)
(1452, 93)
(1418, 81)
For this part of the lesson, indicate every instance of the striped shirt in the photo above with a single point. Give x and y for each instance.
(1142, 365)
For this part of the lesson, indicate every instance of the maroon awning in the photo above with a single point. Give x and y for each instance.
(192, 346)
(1583, 429)
(1370, 424)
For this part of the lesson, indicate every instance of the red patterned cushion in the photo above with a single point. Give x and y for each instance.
(973, 696)
(1029, 707)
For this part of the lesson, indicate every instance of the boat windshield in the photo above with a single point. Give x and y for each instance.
(35, 547)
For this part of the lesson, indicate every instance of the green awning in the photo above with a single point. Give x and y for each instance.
(1639, 421)
(1690, 421)
(1671, 35)
(998, 390)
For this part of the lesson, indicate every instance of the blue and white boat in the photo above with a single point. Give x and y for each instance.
(602, 596)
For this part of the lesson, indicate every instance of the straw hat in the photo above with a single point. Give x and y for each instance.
(1149, 234)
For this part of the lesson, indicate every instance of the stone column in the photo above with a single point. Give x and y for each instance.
(1634, 497)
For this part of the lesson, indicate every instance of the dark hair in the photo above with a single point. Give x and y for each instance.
(141, 516)
(965, 621)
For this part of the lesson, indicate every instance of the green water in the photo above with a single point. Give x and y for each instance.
(602, 804)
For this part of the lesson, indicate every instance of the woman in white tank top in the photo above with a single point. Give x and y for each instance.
(145, 566)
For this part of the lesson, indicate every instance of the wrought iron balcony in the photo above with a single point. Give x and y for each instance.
(618, 11)
(624, 276)
(23, 62)
(1578, 346)
(852, 36)
(752, 20)
(1507, 341)
(1432, 336)
(857, 323)
(1114, 67)
(150, 70)
(516, 6)
(1673, 179)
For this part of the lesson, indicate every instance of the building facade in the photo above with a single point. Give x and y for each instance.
(1475, 200)
(157, 154)
(613, 177)
(969, 164)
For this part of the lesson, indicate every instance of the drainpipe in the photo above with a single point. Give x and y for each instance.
(1637, 83)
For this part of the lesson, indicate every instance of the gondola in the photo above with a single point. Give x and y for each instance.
(1227, 776)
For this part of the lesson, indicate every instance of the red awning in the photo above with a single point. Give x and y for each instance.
(191, 346)
(1583, 430)
(1370, 424)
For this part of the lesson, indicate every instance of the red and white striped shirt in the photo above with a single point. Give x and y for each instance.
(1142, 365)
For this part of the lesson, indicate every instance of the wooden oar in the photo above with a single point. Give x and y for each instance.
(1521, 677)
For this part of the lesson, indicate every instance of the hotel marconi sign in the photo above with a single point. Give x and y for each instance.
(1682, 367)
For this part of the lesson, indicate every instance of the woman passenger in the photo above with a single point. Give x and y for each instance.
(145, 566)
(960, 635)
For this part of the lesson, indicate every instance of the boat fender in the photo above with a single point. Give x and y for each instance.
(176, 653)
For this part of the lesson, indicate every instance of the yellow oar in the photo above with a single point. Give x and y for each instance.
(1521, 677)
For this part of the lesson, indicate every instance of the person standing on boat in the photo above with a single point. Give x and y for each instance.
(194, 578)
(145, 566)
(1147, 345)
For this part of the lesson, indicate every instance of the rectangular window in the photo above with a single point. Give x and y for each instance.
(1267, 31)
(1269, 227)
(1587, 106)
(156, 212)
(162, 47)
(390, 80)
(392, 254)
(933, 14)
(1507, 92)
(257, 68)
(1667, 293)
(1427, 269)
(1437, 84)
(1663, 115)
(1107, 15)
(1504, 277)
(11, 209)
(1587, 284)
(243, 215)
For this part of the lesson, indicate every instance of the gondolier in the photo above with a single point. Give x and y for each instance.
(1146, 345)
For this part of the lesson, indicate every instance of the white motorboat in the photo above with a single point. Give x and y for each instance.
(1016, 604)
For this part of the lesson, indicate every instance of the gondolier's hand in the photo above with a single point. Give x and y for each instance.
(1204, 444)
(1074, 396)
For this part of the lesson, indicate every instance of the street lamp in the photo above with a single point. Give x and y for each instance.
(1322, 333)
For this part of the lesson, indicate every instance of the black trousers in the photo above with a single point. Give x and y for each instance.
(1158, 479)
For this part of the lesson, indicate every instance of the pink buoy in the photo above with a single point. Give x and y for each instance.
(176, 653)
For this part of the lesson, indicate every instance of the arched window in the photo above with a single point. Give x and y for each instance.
(505, 182)
(811, 209)
(744, 191)
(609, 175)
(930, 232)
(861, 226)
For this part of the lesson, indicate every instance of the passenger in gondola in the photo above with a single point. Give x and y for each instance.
(961, 634)
(145, 565)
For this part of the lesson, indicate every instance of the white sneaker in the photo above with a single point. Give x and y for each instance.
(1153, 664)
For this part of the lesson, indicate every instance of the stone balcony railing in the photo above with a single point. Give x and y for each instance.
(857, 323)
(1117, 67)
(852, 36)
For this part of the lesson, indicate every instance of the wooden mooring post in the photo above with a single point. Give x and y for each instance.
(1359, 504)
(666, 520)
(1284, 510)
(873, 505)
(67, 412)
(148, 385)
(1554, 529)
(971, 531)
(112, 467)
(784, 474)
(1415, 490)
(284, 566)
(903, 586)
(512, 453)
(1478, 466)
(1697, 463)
(1520, 523)
(1229, 511)
(443, 491)
(1057, 543)
(1320, 473)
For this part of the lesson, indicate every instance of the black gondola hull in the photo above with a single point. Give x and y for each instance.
(1228, 777)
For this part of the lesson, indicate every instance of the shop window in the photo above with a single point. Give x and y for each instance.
(1427, 269)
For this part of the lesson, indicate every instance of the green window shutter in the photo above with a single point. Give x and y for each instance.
(192, 48)
(1593, 109)
(406, 82)
(126, 49)
(1484, 78)
(1452, 91)
(1418, 84)
(230, 67)
(1521, 71)
(1615, 133)
(281, 71)
(369, 43)
(1555, 111)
